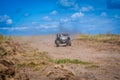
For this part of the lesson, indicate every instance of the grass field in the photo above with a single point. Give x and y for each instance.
(107, 38)
(36, 56)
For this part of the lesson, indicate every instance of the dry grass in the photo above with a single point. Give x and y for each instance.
(93, 66)
(4, 38)
(1, 38)
(106, 38)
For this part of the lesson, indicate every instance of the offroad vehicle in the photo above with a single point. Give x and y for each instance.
(63, 38)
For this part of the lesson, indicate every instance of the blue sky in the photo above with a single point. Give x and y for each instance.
(35, 17)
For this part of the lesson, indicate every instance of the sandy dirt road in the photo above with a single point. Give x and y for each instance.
(107, 57)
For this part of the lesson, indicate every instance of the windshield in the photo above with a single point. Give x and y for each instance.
(64, 34)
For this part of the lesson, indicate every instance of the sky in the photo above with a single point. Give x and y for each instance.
(36, 17)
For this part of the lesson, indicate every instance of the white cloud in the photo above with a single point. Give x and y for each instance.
(33, 23)
(117, 16)
(67, 3)
(77, 15)
(27, 14)
(72, 4)
(49, 25)
(104, 14)
(9, 21)
(46, 18)
(64, 20)
(19, 28)
(14, 28)
(54, 12)
(87, 8)
(6, 19)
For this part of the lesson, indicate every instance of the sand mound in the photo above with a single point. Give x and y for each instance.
(9, 72)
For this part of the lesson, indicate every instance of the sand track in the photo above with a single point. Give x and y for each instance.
(106, 57)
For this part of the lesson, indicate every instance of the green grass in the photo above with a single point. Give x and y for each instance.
(73, 61)
(44, 56)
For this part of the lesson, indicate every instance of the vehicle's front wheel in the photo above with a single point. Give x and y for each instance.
(57, 43)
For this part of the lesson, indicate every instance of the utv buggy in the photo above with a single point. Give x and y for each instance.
(63, 38)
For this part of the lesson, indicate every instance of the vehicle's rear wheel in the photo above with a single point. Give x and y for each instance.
(57, 45)
(68, 42)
